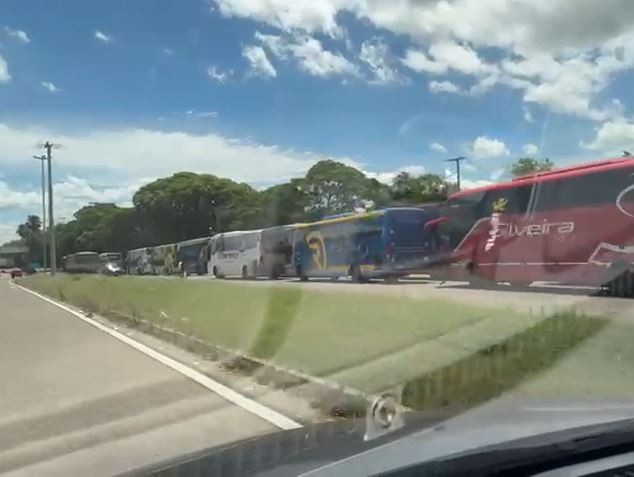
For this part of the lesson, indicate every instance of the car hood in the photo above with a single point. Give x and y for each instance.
(337, 448)
(492, 423)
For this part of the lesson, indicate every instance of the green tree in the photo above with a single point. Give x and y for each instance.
(87, 231)
(333, 188)
(30, 233)
(283, 204)
(528, 165)
(419, 189)
(187, 205)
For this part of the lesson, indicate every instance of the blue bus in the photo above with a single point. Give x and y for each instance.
(386, 243)
(193, 255)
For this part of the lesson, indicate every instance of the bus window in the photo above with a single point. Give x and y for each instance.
(249, 241)
(217, 245)
(513, 200)
(232, 243)
(582, 191)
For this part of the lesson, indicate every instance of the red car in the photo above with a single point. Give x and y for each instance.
(16, 273)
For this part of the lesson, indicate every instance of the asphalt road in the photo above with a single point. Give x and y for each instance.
(76, 401)
(539, 298)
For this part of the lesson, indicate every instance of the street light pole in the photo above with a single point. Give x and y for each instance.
(42, 159)
(51, 221)
(457, 160)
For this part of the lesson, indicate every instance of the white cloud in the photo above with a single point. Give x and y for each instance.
(201, 114)
(309, 54)
(560, 54)
(259, 64)
(217, 74)
(497, 174)
(418, 61)
(308, 15)
(138, 153)
(168, 51)
(71, 193)
(528, 116)
(50, 87)
(466, 183)
(530, 149)
(18, 34)
(101, 36)
(436, 146)
(613, 136)
(4, 71)
(7, 231)
(484, 147)
(13, 199)
(388, 177)
(375, 53)
(443, 87)
(460, 58)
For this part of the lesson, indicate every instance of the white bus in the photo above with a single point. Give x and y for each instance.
(139, 262)
(235, 254)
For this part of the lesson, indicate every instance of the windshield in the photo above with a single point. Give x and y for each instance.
(224, 219)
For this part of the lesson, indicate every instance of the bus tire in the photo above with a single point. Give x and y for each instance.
(355, 274)
(520, 285)
(476, 281)
(245, 273)
(616, 282)
(392, 279)
(300, 274)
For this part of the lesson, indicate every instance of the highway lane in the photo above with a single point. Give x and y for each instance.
(74, 400)
(541, 297)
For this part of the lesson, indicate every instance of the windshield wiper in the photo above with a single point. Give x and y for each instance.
(531, 455)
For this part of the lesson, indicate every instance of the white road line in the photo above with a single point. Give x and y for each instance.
(226, 392)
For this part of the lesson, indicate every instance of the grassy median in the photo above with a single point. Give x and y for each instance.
(318, 332)
(369, 342)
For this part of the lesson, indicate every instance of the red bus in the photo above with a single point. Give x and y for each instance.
(572, 225)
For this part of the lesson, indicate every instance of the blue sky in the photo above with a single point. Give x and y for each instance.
(258, 91)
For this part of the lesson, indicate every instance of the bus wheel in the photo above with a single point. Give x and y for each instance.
(245, 273)
(476, 281)
(355, 274)
(616, 284)
(217, 274)
(300, 274)
(520, 285)
(391, 279)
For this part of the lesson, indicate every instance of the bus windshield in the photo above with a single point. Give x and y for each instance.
(407, 226)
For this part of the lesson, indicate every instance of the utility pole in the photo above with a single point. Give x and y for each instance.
(51, 221)
(457, 160)
(42, 159)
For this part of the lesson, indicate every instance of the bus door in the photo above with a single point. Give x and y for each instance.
(507, 244)
(228, 254)
(249, 253)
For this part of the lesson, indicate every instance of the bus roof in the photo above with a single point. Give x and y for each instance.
(240, 232)
(363, 215)
(563, 172)
(85, 253)
(195, 241)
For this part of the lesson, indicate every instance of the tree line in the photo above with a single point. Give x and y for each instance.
(187, 205)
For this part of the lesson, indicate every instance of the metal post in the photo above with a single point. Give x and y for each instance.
(42, 159)
(457, 160)
(458, 173)
(51, 222)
